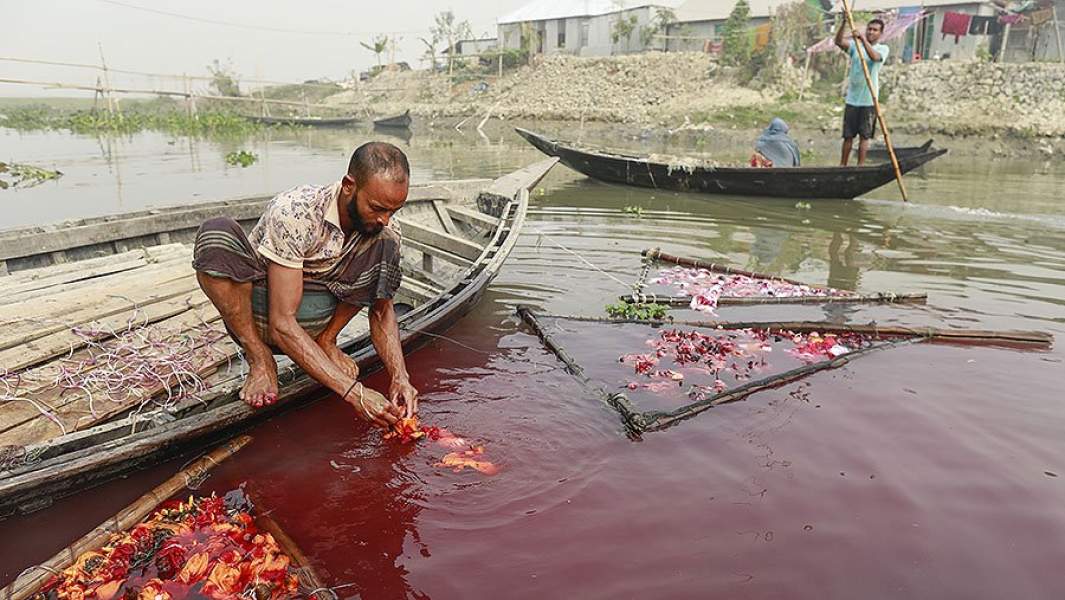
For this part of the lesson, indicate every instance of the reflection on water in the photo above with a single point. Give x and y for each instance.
(930, 471)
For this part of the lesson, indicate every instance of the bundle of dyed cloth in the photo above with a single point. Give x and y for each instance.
(706, 287)
(194, 549)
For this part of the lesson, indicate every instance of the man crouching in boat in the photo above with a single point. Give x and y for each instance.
(317, 256)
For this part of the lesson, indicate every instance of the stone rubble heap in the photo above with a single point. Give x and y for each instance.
(976, 97)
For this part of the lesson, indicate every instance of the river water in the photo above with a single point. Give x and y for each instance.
(927, 471)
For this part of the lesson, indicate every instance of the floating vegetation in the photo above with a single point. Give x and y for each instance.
(166, 119)
(641, 311)
(24, 176)
(241, 158)
(633, 210)
(706, 288)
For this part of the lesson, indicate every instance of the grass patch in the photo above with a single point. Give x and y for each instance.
(752, 116)
(638, 310)
(149, 116)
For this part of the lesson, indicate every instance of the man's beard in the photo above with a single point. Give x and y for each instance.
(360, 225)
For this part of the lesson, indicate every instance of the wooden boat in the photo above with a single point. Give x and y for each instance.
(879, 151)
(98, 282)
(305, 121)
(402, 121)
(801, 182)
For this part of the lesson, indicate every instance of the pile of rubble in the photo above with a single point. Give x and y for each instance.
(966, 98)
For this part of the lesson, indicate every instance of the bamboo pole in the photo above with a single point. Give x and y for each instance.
(33, 578)
(630, 416)
(972, 336)
(107, 80)
(882, 298)
(876, 102)
(658, 420)
(695, 263)
(310, 582)
(1057, 31)
(805, 73)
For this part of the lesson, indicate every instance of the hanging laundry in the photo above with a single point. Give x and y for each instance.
(956, 24)
(978, 25)
(1010, 19)
(761, 35)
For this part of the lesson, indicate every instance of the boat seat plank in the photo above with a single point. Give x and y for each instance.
(100, 279)
(471, 216)
(437, 252)
(22, 330)
(445, 241)
(445, 218)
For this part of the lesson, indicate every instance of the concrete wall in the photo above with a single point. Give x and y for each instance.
(599, 34)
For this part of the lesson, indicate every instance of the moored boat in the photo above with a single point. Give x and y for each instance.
(879, 151)
(305, 121)
(402, 121)
(77, 297)
(806, 183)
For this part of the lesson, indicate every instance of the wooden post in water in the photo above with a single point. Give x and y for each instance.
(111, 106)
(876, 103)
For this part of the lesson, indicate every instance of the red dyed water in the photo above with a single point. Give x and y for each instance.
(920, 472)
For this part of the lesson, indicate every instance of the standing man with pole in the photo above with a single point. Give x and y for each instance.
(859, 114)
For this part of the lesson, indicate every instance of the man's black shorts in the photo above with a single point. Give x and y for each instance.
(860, 121)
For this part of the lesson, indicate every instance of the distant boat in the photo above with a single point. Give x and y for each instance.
(807, 183)
(402, 121)
(310, 121)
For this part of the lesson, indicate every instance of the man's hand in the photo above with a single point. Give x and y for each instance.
(373, 407)
(857, 35)
(403, 394)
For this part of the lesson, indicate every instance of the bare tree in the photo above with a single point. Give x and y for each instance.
(446, 29)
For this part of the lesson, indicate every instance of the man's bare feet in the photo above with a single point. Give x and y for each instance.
(345, 362)
(260, 387)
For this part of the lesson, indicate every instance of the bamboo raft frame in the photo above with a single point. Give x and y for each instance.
(655, 254)
(31, 579)
(637, 422)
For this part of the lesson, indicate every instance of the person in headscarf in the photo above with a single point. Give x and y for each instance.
(775, 148)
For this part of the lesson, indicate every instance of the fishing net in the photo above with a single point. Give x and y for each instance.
(206, 547)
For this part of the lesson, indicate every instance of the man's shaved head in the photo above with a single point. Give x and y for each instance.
(381, 159)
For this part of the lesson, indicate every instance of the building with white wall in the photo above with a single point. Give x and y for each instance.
(579, 27)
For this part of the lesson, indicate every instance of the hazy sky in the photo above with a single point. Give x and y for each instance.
(69, 30)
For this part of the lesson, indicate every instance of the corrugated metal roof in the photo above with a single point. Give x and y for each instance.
(718, 10)
(544, 10)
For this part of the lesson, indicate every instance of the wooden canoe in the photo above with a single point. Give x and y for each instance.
(879, 151)
(807, 183)
(402, 121)
(305, 121)
(102, 274)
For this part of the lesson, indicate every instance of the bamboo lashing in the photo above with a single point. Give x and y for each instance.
(876, 102)
(33, 578)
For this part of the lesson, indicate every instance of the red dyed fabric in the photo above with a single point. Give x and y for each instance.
(956, 24)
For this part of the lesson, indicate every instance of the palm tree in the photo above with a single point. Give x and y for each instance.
(380, 44)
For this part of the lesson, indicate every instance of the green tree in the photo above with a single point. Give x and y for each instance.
(737, 38)
(660, 22)
(380, 44)
(623, 28)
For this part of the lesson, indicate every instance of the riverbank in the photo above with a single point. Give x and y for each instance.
(679, 91)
